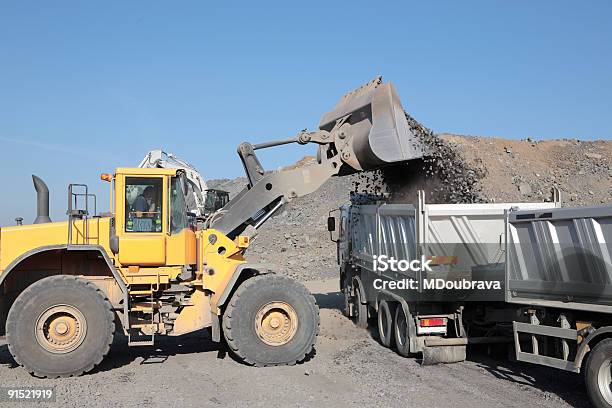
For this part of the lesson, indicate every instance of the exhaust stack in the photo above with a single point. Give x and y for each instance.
(42, 200)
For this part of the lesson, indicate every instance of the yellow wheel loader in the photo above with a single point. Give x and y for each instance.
(147, 269)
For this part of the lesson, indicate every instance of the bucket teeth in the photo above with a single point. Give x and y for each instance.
(362, 89)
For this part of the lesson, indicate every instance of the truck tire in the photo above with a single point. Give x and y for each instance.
(348, 299)
(60, 326)
(271, 320)
(400, 332)
(361, 309)
(385, 322)
(598, 375)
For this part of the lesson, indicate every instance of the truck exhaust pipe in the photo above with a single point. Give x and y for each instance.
(42, 200)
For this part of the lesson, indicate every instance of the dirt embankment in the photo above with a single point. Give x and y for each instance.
(468, 169)
(527, 170)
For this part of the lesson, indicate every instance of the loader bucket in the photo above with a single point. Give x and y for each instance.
(373, 126)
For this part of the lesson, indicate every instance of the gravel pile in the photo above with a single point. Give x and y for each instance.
(456, 169)
(296, 239)
(527, 170)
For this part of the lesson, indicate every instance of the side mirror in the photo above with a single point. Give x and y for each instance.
(331, 224)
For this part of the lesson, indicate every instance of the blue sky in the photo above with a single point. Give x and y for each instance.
(89, 86)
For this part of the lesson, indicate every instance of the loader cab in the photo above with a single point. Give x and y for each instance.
(214, 200)
(151, 220)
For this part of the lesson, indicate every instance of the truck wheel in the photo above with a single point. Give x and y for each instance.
(385, 323)
(400, 332)
(60, 326)
(599, 374)
(361, 310)
(271, 320)
(348, 299)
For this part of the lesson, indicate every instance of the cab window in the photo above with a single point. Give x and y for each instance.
(178, 210)
(143, 202)
(215, 200)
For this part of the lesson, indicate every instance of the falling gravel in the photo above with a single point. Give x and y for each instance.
(442, 173)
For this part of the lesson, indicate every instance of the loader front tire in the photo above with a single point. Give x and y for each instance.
(60, 326)
(271, 320)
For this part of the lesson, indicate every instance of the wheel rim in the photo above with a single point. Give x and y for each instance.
(60, 329)
(400, 327)
(276, 323)
(604, 380)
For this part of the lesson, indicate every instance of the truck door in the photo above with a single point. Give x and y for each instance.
(142, 220)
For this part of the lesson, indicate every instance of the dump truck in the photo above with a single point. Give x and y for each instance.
(145, 267)
(533, 276)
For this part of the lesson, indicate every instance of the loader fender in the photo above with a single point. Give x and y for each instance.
(13, 266)
(243, 272)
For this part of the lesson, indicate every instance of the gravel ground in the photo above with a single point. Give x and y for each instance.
(350, 368)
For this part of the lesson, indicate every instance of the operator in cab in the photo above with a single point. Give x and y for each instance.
(144, 205)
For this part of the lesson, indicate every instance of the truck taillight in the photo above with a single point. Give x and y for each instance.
(435, 322)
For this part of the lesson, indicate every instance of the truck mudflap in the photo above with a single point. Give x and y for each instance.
(443, 354)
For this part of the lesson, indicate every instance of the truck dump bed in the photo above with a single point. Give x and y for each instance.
(465, 240)
(561, 258)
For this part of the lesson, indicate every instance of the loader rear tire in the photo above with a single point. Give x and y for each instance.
(60, 326)
(271, 320)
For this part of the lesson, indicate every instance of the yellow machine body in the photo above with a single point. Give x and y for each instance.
(153, 266)
(144, 263)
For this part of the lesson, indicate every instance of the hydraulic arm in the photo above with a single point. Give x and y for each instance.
(147, 265)
(366, 130)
